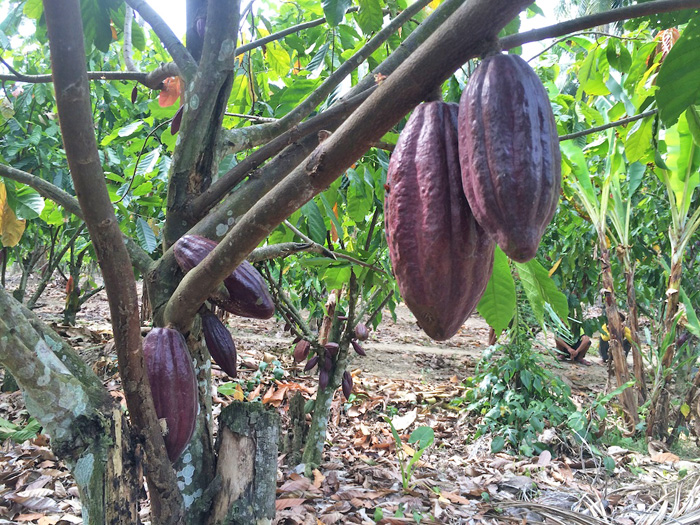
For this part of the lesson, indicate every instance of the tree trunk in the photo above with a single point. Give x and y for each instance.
(247, 468)
(88, 431)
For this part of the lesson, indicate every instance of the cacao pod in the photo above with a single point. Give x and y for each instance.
(442, 258)
(311, 364)
(361, 332)
(248, 293)
(220, 343)
(358, 348)
(347, 384)
(324, 377)
(173, 385)
(301, 350)
(332, 349)
(509, 153)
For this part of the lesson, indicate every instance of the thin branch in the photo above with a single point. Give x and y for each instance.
(320, 248)
(235, 175)
(609, 125)
(598, 19)
(185, 63)
(256, 135)
(128, 50)
(252, 118)
(285, 32)
(152, 80)
(275, 251)
(596, 33)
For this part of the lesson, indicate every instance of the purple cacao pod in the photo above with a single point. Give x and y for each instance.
(442, 259)
(331, 349)
(347, 384)
(177, 120)
(301, 350)
(358, 348)
(324, 377)
(249, 296)
(509, 153)
(361, 332)
(173, 385)
(220, 343)
(134, 94)
(311, 364)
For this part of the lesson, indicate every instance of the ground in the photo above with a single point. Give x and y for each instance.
(411, 379)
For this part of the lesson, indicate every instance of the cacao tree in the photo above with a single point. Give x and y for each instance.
(230, 181)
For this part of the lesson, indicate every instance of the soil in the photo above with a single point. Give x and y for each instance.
(406, 375)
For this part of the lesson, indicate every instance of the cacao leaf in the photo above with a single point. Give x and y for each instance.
(497, 306)
(370, 16)
(679, 76)
(539, 289)
(335, 10)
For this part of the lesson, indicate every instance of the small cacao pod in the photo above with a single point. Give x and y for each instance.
(358, 348)
(248, 293)
(311, 364)
(173, 385)
(324, 377)
(442, 259)
(332, 349)
(301, 350)
(220, 343)
(347, 384)
(361, 332)
(509, 153)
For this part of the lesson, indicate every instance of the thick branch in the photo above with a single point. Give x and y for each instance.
(65, 32)
(464, 35)
(230, 179)
(246, 138)
(181, 56)
(598, 19)
(609, 125)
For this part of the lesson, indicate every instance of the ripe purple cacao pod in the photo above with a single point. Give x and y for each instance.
(173, 385)
(361, 332)
(509, 153)
(332, 349)
(358, 348)
(311, 364)
(134, 94)
(177, 120)
(249, 296)
(324, 377)
(301, 351)
(347, 384)
(442, 259)
(220, 343)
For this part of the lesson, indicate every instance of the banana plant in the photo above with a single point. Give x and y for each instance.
(596, 206)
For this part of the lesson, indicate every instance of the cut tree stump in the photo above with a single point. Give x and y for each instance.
(247, 465)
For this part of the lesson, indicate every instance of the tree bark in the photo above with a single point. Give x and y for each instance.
(633, 323)
(247, 466)
(64, 23)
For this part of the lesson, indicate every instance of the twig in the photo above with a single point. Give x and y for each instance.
(252, 118)
(325, 251)
(609, 125)
(567, 37)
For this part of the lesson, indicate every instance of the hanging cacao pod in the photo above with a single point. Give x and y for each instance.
(442, 259)
(358, 348)
(509, 153)
(361, 332)
(347, 384)
(248, 293)
(220, 343)
(173, 385)
(301, 350)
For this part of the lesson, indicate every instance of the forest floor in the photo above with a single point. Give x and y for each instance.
(411, 379)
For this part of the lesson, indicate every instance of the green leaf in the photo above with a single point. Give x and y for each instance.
(317, 60)
(693, 325)
(679, 76)
(279, 59)
(497, 444)
(144, 233)
(682, 159)
(539, 289)
(638, 142)
(497, 305)
(26, 202)
(370, 16)
(335, 277)
(589, 76)
(33, 9)
(423, 435)
(130, 129)
(692, 115)
(335, 10)
(314, 221)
